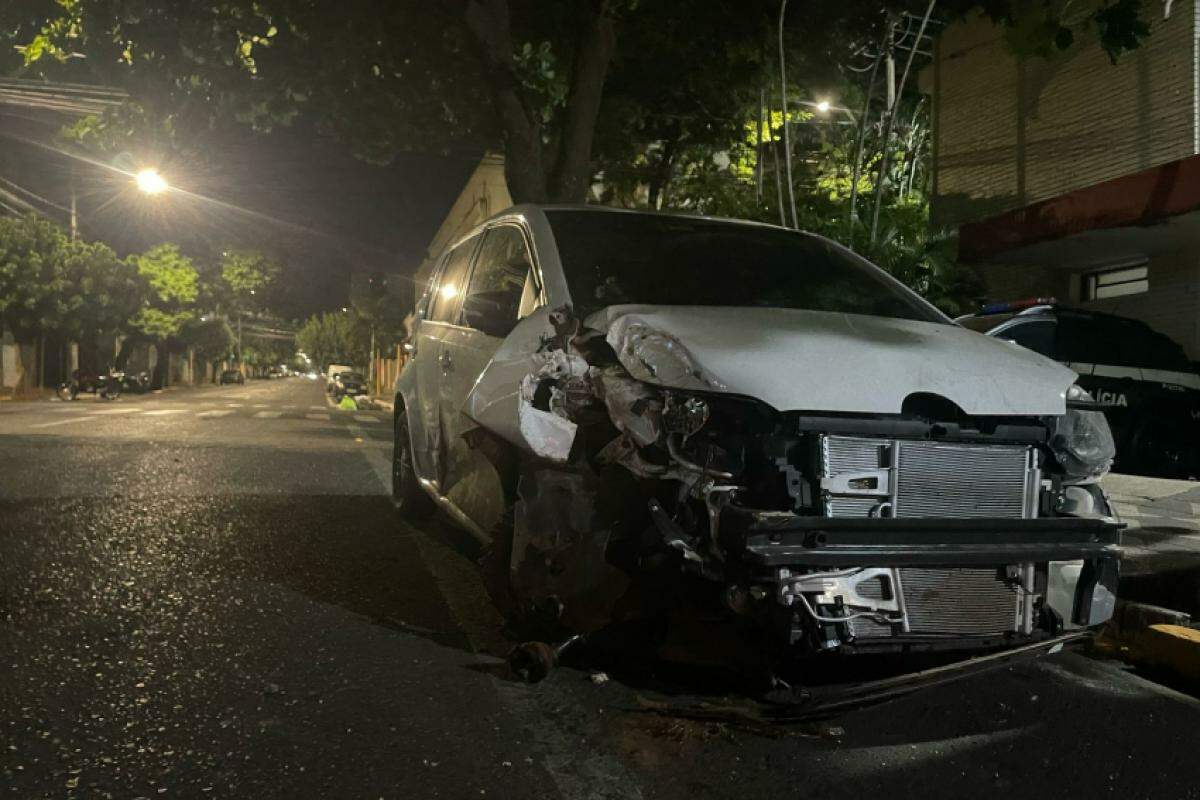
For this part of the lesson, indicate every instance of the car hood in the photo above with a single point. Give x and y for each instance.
(794, 359)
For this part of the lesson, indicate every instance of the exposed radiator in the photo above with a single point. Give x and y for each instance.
(953, 601)
(862, 477)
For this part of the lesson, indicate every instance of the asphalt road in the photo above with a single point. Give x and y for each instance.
(206, 594)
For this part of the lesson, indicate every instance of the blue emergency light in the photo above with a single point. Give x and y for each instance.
(1012, 306)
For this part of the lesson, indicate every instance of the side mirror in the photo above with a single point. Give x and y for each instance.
(493, 313)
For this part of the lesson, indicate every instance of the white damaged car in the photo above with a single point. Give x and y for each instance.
(638, 410)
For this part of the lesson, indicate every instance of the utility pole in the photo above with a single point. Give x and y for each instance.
(893, 93)
(74, 216)
(241, 363)
(371, 366)
(787, 142)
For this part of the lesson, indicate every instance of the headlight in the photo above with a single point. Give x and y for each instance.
(1082, 441)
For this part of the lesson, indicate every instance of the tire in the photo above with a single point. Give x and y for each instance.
(68, 391)
(409, 499)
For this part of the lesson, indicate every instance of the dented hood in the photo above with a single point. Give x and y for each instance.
(822, 361)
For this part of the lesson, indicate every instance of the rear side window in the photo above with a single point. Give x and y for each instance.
(1036, 336)
(448, 293)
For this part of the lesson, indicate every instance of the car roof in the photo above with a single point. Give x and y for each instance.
(1051, 312)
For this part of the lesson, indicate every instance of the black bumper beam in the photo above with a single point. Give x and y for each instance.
(779, 539)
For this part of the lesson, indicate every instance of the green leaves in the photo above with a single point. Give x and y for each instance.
(34, 286)
(1122, 26)
(333, 338)
(173, 285)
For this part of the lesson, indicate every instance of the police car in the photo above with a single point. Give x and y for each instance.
(1147, 386)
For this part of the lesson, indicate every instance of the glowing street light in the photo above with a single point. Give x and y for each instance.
(150, 182)
(823, 106)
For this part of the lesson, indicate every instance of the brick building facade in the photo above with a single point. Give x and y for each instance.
(1072, 177)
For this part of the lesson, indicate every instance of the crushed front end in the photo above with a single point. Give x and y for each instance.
(831, 531)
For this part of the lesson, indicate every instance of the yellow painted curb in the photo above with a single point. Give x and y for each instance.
(1172, 646)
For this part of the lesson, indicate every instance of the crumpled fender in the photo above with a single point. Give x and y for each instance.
(494, 400)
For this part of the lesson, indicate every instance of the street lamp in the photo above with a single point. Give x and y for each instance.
(823, 106)
(150, 182)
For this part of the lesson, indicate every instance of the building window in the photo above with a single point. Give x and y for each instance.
(1116, 282)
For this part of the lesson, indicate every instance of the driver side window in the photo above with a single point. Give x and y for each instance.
(501, 283)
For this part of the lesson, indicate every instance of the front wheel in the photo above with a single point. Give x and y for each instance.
(68, 391)
(407, 495)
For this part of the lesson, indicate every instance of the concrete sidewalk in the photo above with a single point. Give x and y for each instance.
(1163, 519)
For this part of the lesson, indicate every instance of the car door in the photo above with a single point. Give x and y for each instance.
(429, 357)
(501, 290)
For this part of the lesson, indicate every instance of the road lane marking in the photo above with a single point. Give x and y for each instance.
(322, 417)
(60, 422)
(162, 412)
(234, 405)
(268, 414)
(117, 411)
(317, 408)
(219, 413)
(262, 405)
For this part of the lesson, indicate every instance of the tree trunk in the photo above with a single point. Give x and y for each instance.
(162, 366)
(524, 170)
(662, 172)
(573, 168)
(530, 178)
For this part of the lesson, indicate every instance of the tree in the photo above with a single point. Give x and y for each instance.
(248, 274)
(172, 286)
(460, 74)
(333, 338)
(104, 291)
(34, 284)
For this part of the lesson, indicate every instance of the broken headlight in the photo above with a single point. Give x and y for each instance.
(1080, 439)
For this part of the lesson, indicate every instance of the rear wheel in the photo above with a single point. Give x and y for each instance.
(407, 495)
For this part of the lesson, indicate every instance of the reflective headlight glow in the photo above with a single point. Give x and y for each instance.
(1077, 395)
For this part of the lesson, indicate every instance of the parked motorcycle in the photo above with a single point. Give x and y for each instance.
(136, 382)
(106, 386)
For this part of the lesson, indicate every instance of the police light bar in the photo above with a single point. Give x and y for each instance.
(1015, 305)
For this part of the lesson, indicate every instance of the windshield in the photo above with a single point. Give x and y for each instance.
(612, 259)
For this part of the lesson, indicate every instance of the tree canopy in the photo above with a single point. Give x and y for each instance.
(173, 284)
(525, 76)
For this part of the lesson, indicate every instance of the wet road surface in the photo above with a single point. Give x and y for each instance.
(206, 594)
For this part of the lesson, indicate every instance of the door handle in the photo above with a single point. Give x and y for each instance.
(444, 360)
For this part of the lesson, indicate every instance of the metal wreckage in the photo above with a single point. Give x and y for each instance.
(945, 496)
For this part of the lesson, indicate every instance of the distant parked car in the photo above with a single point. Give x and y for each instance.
(348, 383)
(274, 372)
(231, 376)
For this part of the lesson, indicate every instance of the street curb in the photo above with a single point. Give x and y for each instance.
(1131, 618)
(1153, 636)
(1172, 647)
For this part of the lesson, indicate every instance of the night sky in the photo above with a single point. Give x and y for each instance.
(292, 193)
